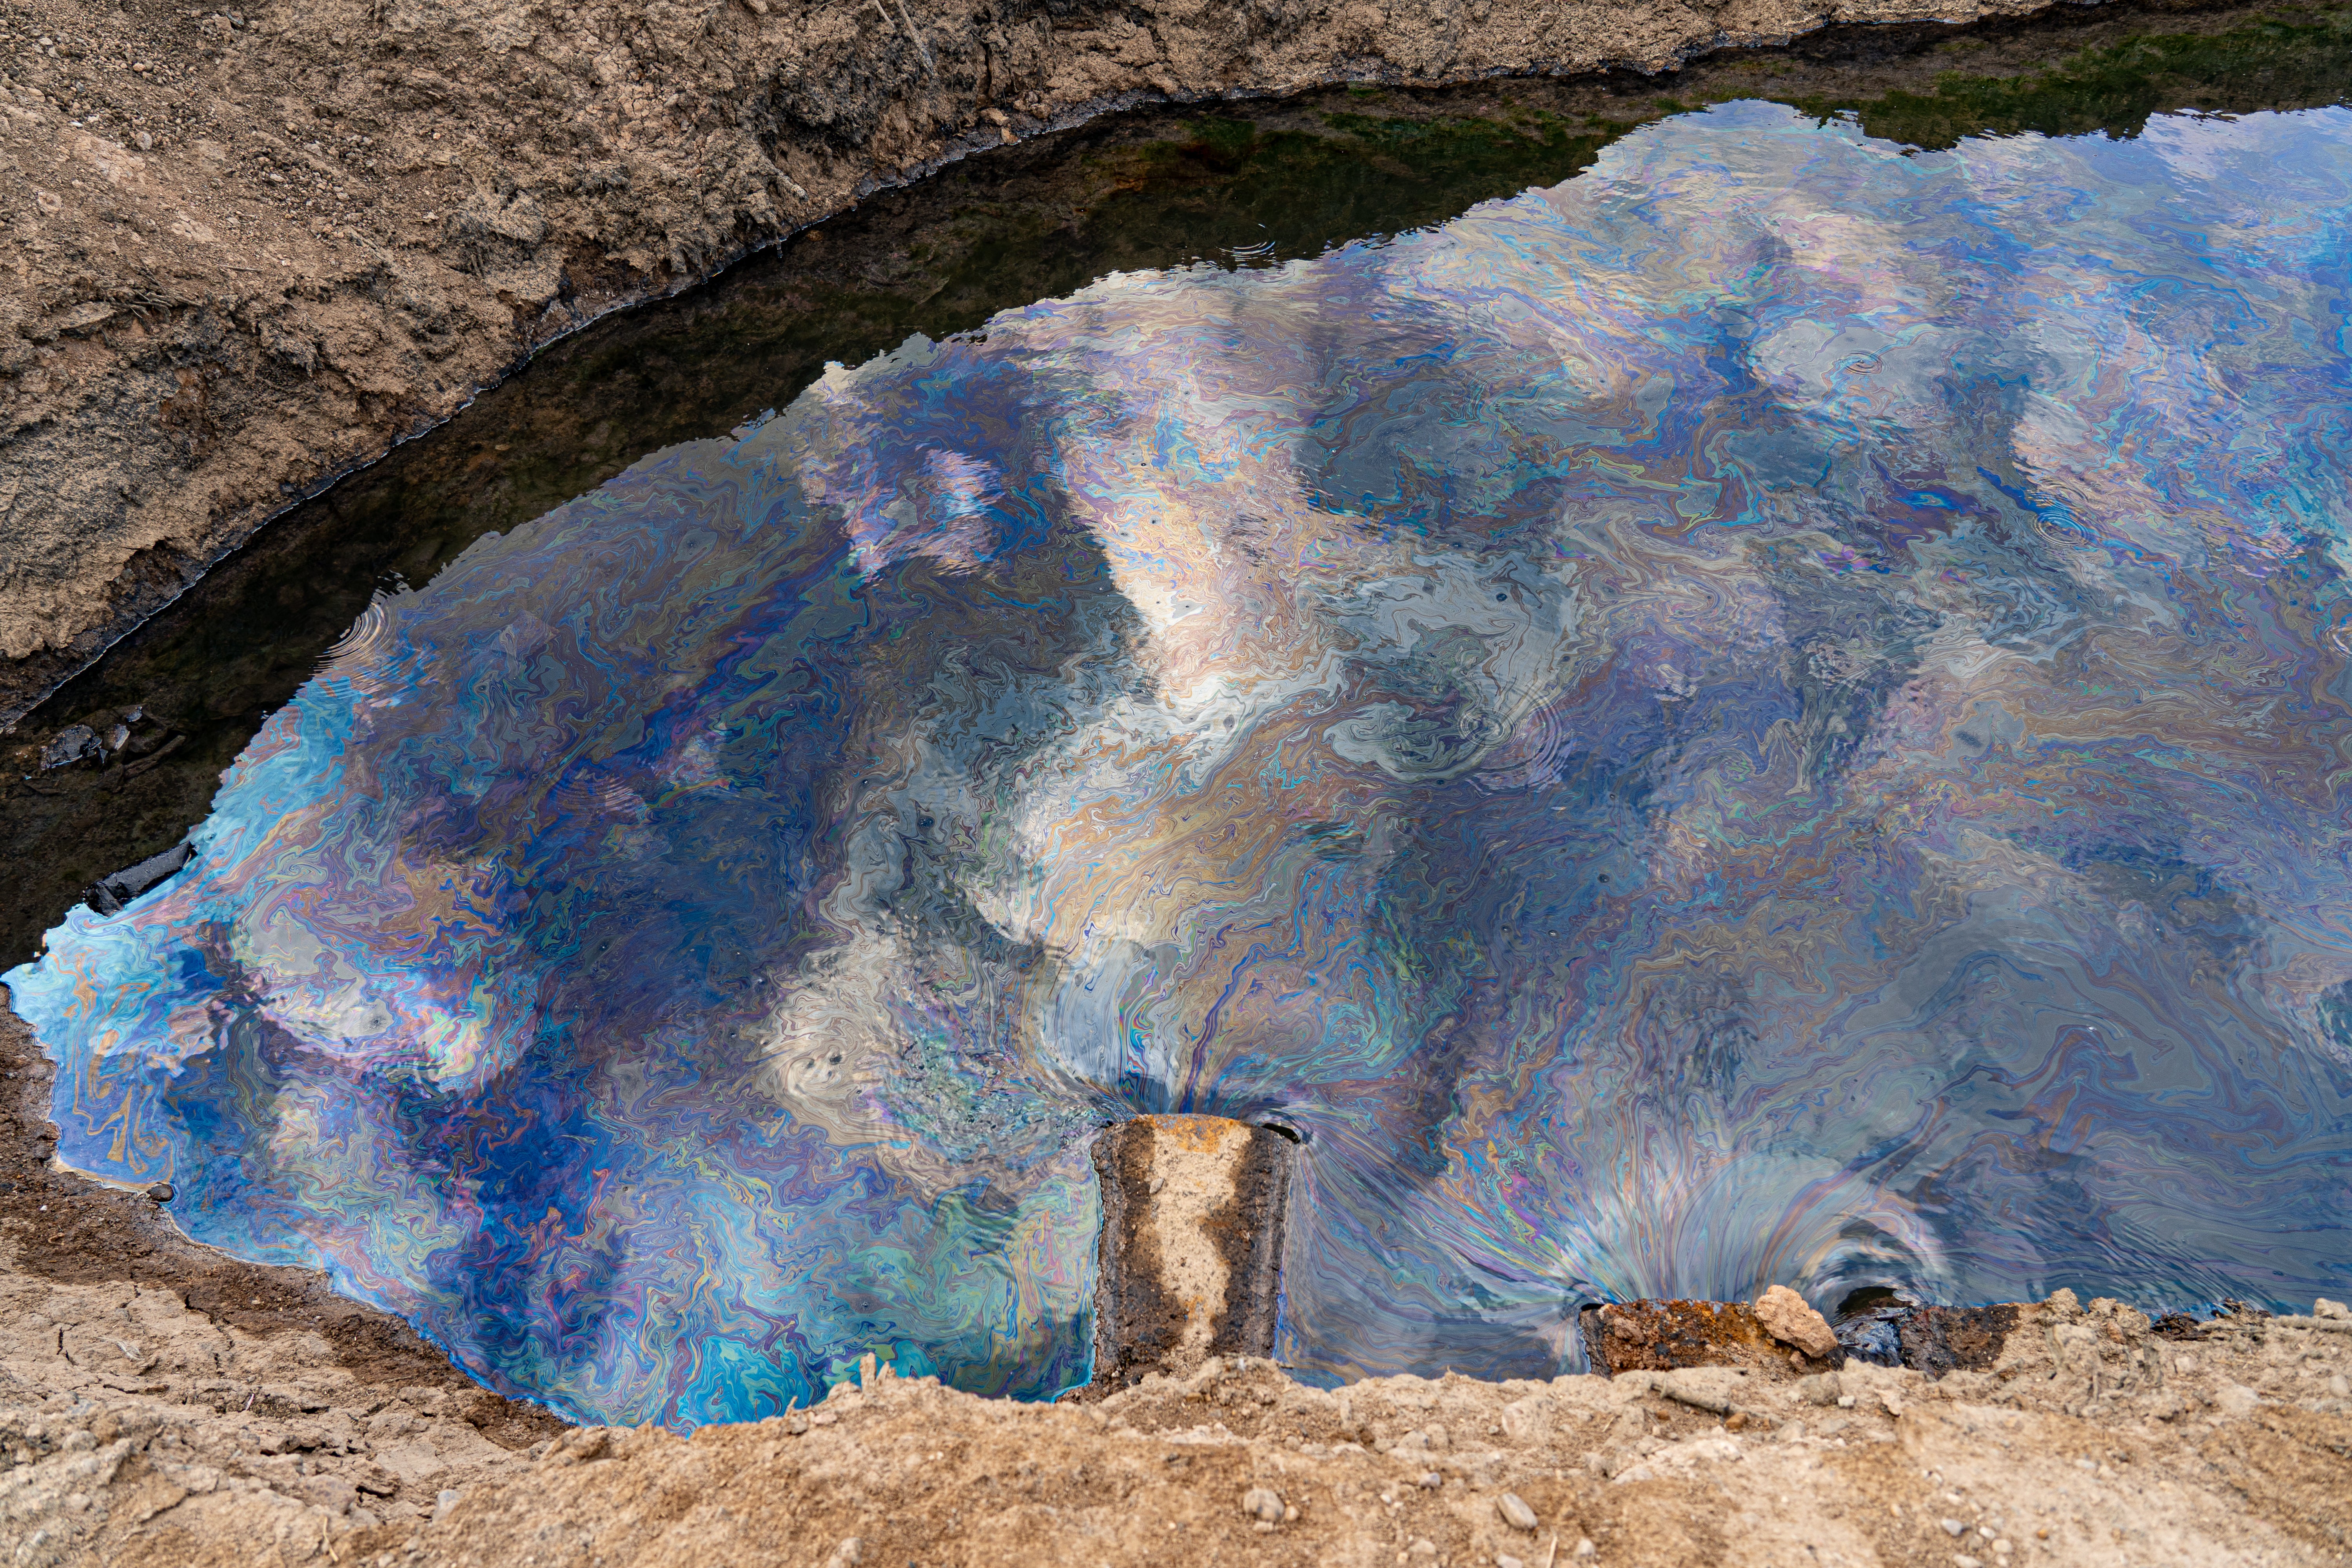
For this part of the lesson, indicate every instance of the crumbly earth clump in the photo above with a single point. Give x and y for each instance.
(252, 248)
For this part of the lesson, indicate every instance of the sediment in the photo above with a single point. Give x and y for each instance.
(1190, 1258)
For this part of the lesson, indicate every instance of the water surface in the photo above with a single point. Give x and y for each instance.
(1772, 712)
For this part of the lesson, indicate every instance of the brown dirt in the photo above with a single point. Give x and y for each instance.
(2089, 1441)
(300, 233)
(1659, 1336)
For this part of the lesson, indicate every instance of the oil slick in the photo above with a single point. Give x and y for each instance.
(1772, 713)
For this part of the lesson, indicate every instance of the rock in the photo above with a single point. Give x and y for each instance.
(163, 1193)
(1821, 1388)
(1964, 1561)
(2236, 1399)
(1263, 1503)
(2324, 1308)
(449, 1500)
(1787, 1317)
(114, 891)
(1953, 1528)
(1697, 1387)
(1584, 1548)
(1663, 1335)
(73, 743)
(851, 1551)
(1515, 1511)
(1507, 1560)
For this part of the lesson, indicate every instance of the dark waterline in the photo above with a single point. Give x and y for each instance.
(1237, 183)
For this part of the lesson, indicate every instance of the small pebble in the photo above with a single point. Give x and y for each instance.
(1432, 1480)
(162, 1192)
(1263, 1503)
(1586, 1549)
(1515, 1511)
(1954, 1527)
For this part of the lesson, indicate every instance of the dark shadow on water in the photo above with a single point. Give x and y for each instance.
(1247, 183)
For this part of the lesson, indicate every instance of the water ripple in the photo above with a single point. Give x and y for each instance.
(1777, 711)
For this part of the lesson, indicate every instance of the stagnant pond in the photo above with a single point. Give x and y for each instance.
(1771, 711)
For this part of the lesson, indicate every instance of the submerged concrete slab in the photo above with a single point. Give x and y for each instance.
(1192, 1243)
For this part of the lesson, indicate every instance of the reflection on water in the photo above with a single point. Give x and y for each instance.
(1773, 712)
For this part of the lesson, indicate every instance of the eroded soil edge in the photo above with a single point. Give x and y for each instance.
(253, 249)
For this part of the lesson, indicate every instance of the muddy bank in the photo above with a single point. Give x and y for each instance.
(1143, 188)
(254, 249)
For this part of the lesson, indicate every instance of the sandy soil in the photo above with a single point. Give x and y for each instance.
(249, 249)
(133, 1431)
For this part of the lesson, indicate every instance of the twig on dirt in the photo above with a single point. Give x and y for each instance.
(1696, 1400)
(931, 65)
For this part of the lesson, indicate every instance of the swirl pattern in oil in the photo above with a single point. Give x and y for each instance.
(1776, 712)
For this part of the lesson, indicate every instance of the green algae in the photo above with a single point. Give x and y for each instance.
(2287, 60)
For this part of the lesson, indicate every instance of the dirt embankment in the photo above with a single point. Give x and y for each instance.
(133, 1432)
(251, 249)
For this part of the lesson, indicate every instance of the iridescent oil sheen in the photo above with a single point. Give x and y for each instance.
(1776, 712)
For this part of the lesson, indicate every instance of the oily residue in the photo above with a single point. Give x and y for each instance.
(1774, 713)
